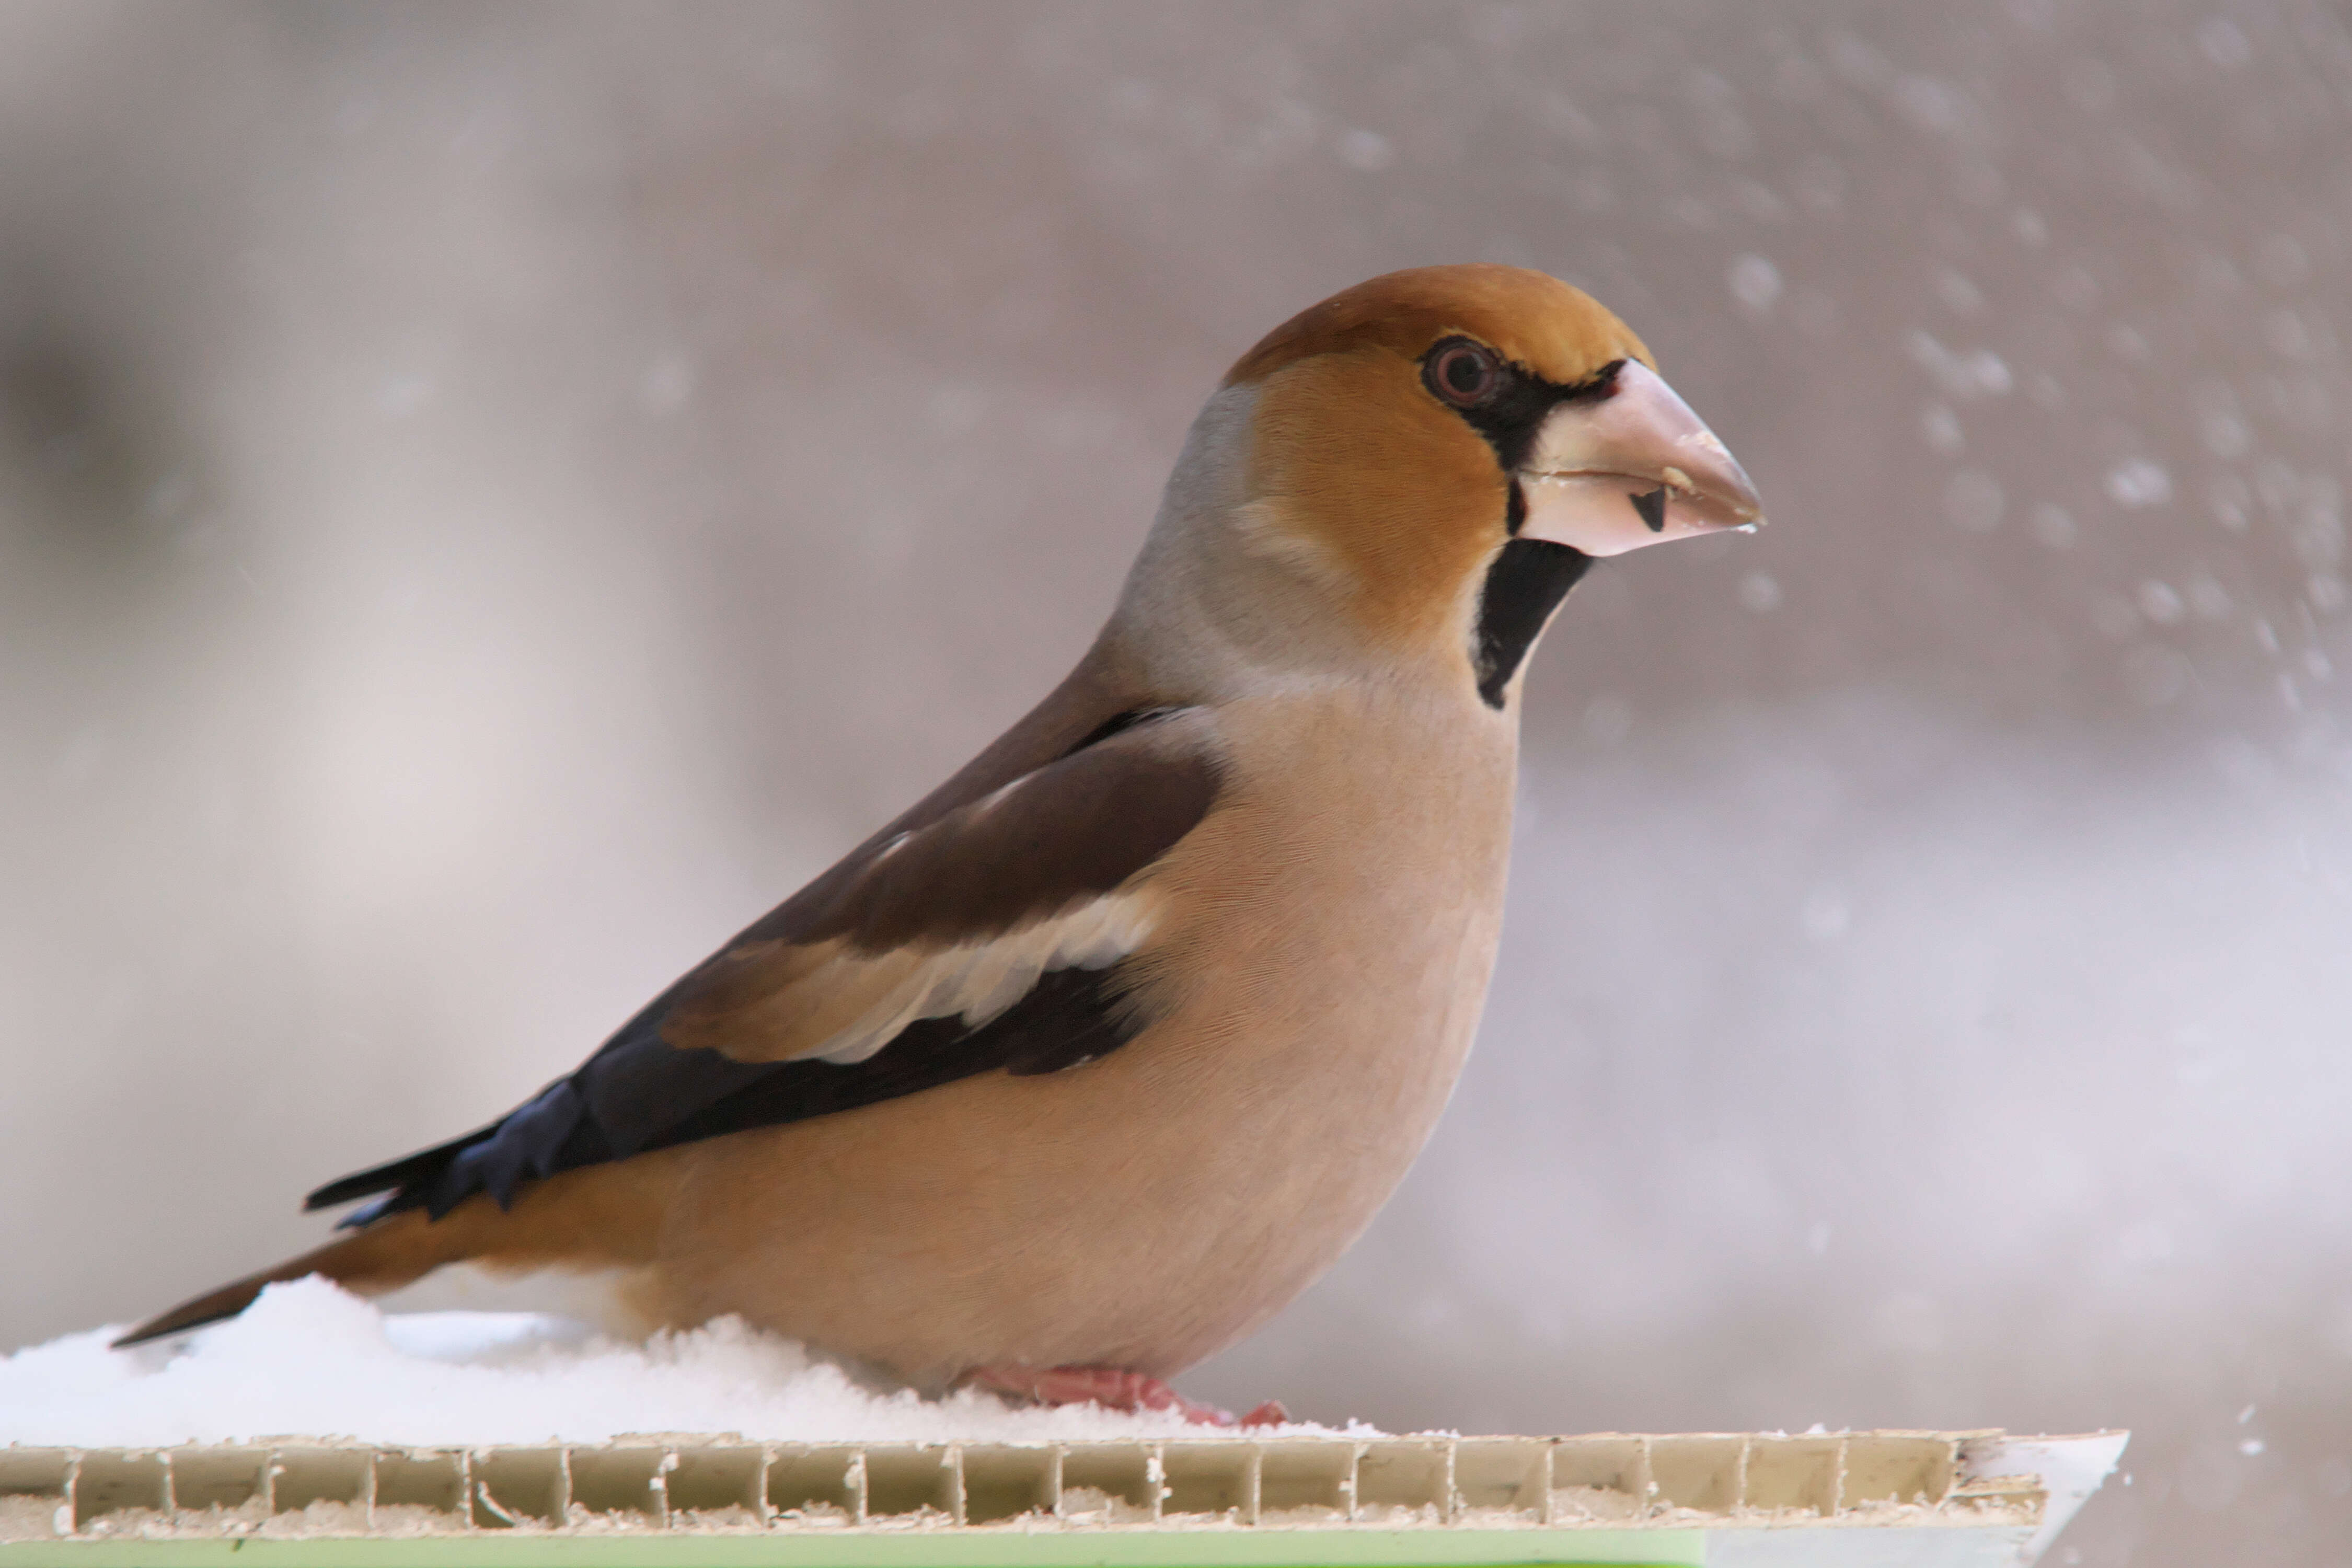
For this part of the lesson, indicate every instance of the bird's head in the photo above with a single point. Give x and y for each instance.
(1429, 458)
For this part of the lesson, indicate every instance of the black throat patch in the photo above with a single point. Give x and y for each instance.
(1523, 587)
(1531, 576)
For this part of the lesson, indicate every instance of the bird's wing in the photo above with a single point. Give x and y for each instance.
(989, 936)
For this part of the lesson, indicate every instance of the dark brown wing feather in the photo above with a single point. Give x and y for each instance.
(971, 868)
(1073, 830)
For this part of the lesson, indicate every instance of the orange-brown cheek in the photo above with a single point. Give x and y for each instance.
(1363, 468)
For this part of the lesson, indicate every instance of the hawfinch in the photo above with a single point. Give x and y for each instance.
(1085, 1066)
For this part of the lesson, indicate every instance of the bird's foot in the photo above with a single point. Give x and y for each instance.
(1113, 1389)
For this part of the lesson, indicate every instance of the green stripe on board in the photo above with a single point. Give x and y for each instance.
(1137, 1549)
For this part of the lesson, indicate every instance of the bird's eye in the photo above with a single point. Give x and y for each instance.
(1463, 374)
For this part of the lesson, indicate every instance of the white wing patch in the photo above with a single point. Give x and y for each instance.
(831, 1000)
(979, 980)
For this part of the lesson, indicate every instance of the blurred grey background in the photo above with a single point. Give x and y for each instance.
(491, 498)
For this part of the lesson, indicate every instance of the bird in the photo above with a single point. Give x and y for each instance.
(1088, 1063)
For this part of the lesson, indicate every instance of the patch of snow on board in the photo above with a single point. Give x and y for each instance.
(310, 1360)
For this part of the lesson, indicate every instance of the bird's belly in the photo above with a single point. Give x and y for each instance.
(1141, 1211)
(1146, 1209)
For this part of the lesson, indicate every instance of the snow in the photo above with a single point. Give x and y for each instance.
(310, 1360)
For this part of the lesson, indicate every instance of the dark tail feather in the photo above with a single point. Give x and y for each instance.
(380, 1258)
(212, 1307)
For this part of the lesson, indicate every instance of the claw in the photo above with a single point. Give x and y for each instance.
(1113, 1389)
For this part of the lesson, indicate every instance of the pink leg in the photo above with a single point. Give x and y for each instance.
(1113, 1390)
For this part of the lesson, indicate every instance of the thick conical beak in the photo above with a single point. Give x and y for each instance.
(1635, 467)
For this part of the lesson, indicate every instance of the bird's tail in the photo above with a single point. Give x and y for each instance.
(396, 1252)
(596, 1218)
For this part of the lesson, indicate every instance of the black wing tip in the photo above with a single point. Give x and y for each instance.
(365, 1184)
(398, 1178)
(529, 1144)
